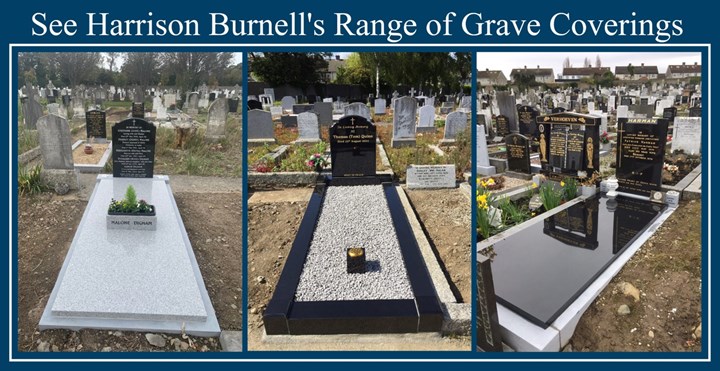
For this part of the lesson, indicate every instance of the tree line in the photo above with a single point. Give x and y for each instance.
(185, 70)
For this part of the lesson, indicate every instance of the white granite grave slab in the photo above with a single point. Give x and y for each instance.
(131, 280)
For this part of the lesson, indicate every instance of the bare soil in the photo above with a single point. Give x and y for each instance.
(80, 157)
(46, 227)
(272, 227)
(667, 272)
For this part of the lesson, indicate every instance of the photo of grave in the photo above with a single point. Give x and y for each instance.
(588, 166)
(359, 205)
(129, 197)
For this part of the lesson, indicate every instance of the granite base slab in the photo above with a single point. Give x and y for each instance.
(131, 279)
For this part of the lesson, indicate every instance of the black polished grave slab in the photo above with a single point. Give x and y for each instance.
(695, 112)
(95, 124)
(518, 153)
(285, 316)
(669, 113)
(133, 149)
(540, 270)
(640, 155)
(352, 147)
(233, 104)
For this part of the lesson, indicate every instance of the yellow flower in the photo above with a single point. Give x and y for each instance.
(491, 181)
(562, 184)
(534, 185)
(482, 201)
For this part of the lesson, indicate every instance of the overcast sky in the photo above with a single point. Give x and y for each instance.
(506, 61)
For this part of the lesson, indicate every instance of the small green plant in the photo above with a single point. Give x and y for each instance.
(487, 214)
(130, 204)
(29, 180)
(550, 196)
(512, 214)
(569, 188)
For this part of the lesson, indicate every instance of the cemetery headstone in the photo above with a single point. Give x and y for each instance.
(138, 110)
(32, 110)
(640, 155)
(482, 166)
(526, 119)
(286, 103)
(502, 125)
(455, 123)
(308, 127)
(426, 119)
(157, 102)
(380, 106)
(217, 118)
(569, 144)
(695, 112)
(324, 113)
(352, 147)
(254, 104)
(358, 109)
(193, 103)
(95, 125)
(669, 113)
(518, 153)
(56, 147)
(300, 108)
(260, 126)
(507, 108)
(275, 112)
(133, 149)
(404, 122)
(687, 134)
(169, 100)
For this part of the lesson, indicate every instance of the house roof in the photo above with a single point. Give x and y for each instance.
(535, 71)
(491, 75)
(637, 70)
(584, 71)
(684, 68)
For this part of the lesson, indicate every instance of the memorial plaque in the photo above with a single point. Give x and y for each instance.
(503, 125)
(526, 119)
(430, 176)
(352, 147)
(133, 152)
(488, 336)
(138, 110)
(95, 124)
(640, 155)
(518, 153)
(569, 144)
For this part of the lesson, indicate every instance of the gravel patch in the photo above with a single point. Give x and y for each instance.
(356, 216)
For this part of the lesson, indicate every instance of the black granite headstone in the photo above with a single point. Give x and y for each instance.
(233, 104)
(695, 112)
(640, 155)
(254, 104)
(643, 101)
(626, 101)
(300, 108)
(289, 121)
(503, 125)
(95, 124)
(669, 113)
(211, 97)
(51, 99)
(133, 142)
(138, 110)
(518, 153)
(558, 110)
(526, 119)
(352, 147)
(569, 144)
(66, 100)
(488, 336)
